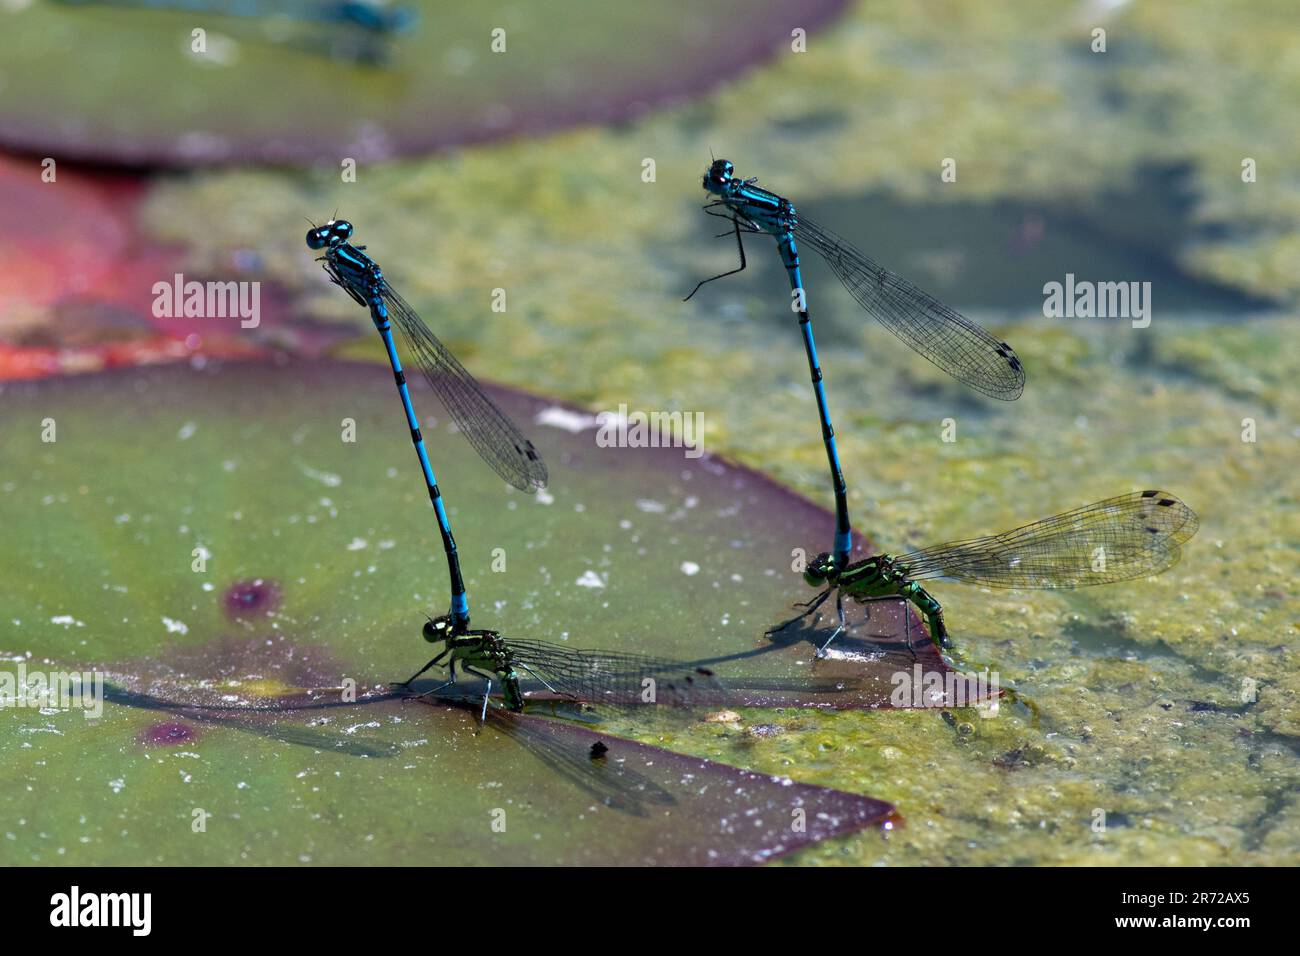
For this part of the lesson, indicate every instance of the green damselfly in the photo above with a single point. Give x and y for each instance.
(572, 674)
(1120, 538)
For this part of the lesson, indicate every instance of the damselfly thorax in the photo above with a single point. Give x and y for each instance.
(873, 577)
(482, 647)
(355, 271)
(348, 267)
(757, 207)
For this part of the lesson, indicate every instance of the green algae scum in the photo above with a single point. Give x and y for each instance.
(218, 559)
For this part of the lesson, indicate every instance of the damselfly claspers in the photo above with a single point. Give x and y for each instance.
(493, 435)
(1117, 539)
(585, 676)
(962, 349)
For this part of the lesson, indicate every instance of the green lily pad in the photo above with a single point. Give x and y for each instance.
(102, 82)
(207, 541)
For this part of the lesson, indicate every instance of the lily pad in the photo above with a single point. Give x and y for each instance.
(178, 503)
(211, 541)
(102, 82)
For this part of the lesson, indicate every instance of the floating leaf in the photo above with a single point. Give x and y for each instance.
(91, 81)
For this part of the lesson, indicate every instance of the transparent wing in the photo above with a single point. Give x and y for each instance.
(958, 346)
(494, 436)
(1117, 539)
(613, 678)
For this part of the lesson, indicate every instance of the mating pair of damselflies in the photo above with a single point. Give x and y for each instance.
(1112, 540)
(589, 676)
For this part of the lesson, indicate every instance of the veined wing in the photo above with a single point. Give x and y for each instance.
(494, 436)
(611, 677)
(948, 339)
(1125, 537)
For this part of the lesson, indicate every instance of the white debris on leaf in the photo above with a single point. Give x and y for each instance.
(324, 477)
(566, 419)
(590, 579)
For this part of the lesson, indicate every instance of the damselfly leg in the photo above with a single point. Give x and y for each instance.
(740, 245)
(487, 693)
(866, 603)
(839, 612)
(437, 660)
(429, 693)
(451, 679)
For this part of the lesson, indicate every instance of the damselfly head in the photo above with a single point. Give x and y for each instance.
(820, 569)
(330, 234)
(438, 628)
(718, 176)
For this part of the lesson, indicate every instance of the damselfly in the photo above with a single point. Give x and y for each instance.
(952, 342)
(494, 436)
(586, 676)
(1117, 539)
